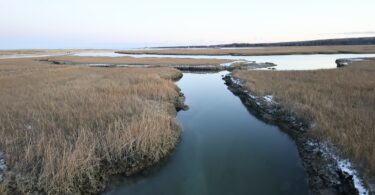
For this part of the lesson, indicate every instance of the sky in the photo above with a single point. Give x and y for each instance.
(117, 24)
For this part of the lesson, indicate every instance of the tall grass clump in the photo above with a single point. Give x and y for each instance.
(65, 129)
(339, 103)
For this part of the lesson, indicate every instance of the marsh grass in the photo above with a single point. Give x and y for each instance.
(65, 129)
(260, 50)
(338, 103)
(47, 51)
(154, 61)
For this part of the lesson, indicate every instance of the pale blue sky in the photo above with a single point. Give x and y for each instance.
(123, 23)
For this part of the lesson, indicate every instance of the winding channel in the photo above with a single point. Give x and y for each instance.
(223, 150)
(283, 62)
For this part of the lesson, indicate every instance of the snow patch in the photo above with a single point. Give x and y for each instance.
(119, 65)
(99, 65)
(236, 81)
(133, 66)
(358, 59)
(239, 83)
(28, 127)
(252, 96)
(269, 98)
(2, 166)
(231, 63)
(344, 165)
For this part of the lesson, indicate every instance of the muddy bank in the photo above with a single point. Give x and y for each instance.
(243, 65)
(326, 176)
(276, 53)
(123, 60)
(89, 91)
(10, 181)
(2, 166)
(347, 61)
(280, 50)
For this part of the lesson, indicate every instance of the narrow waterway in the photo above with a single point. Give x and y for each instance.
(223, 150)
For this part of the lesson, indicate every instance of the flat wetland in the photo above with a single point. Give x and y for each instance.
(338, 105)
(156, 61)
(224, 149)
(66, 127)
(258, 50)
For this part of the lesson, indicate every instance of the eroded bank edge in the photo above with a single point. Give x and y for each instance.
(327, 171)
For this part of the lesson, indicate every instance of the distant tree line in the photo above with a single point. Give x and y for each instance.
(325, 42)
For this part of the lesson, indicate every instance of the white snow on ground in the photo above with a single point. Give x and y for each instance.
(236, 81)
(269, 98)
(237, 61)
(99, 65)
(347, 167)
(119, 65)
(28, 127)
(348, 61)
(235, 48)
(344, 165)
(2, 166)
(252, 96)
(357, 59)
(133, 66)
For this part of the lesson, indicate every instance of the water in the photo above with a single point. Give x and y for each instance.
(284, 62)
(223, 150)
(28, 56)
(99, 54)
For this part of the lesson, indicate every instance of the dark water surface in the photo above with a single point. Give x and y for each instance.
(223, 150)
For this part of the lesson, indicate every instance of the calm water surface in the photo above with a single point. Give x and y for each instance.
(284, 62)
(223, 150)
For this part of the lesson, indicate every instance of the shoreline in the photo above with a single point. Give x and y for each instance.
(234, 54)
(324, 176)
(149, 166)
(136, 166)
(193, 66)
(110, 149)
(263, 51)
(324, 173)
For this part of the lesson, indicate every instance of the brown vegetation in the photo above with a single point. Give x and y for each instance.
(136, 61)
(260, 50)
(339, 104)
(36, 52)
(65, 129)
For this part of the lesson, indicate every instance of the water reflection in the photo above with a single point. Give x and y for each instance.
(223, 150)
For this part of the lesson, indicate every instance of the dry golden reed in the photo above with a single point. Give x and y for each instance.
(286, 50)
(65, 129)
(339, 103)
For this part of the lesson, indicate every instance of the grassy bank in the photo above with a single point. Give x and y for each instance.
(339, 104)
(260, 50)
(137, 61)
(65, 129)
(22, 52)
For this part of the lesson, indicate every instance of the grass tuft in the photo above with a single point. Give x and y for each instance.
(65, 129)
(338, 103)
